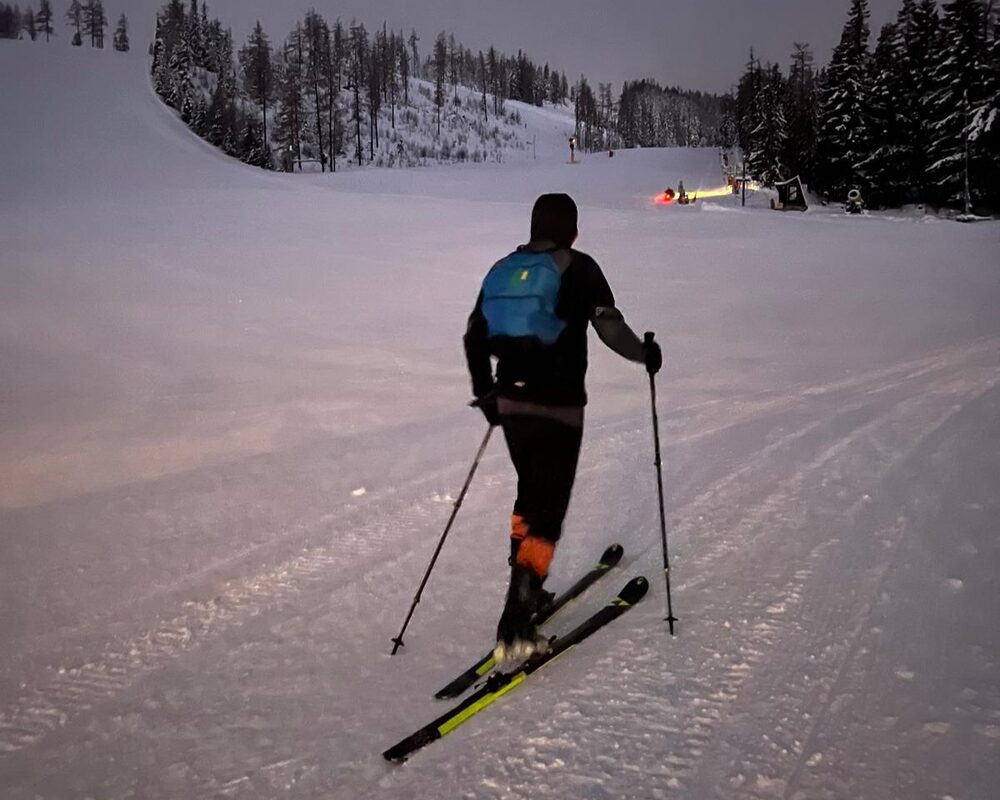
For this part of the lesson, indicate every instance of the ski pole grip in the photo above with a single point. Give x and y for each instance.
(647, 337)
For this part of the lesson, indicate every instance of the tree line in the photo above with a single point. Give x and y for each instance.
(916, 119)
(646, 115)
(324, 87)
(318, 95)
(87, 20)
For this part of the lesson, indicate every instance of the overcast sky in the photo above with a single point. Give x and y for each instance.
(696, 44)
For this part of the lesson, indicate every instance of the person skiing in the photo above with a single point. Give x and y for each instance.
(532, 315)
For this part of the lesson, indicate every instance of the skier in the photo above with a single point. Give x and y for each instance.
(532, 314)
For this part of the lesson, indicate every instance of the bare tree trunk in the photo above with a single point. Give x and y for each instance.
(357, 117)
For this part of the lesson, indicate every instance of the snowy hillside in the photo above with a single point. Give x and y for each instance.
(408, 135)
(233, 422)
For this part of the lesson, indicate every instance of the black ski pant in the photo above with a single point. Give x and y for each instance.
(545, 454)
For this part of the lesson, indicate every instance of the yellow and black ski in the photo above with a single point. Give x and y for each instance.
(486, 664)
(501, 683)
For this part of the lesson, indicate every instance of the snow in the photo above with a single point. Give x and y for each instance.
(232, 424)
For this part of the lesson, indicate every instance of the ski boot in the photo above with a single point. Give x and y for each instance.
(517, 634)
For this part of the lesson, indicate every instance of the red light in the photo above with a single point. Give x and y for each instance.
(666, 198)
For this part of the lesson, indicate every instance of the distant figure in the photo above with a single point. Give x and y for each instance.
(532, 314)
(572, 149)
(611, 153)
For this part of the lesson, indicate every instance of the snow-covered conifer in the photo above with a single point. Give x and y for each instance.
(960, 80)
(357, 65)
(985, 126)
(94, 22)
(121, 34)
(315, 33)
(768, 138)
(842, 137)
(440, 74)
(195, 35)
(74, 18)
(28, 24)
(43, 19)
(800, 114)
(258, 80)
(290, 96)
(884, 169)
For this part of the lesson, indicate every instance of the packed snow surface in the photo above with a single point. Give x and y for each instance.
(233, 425)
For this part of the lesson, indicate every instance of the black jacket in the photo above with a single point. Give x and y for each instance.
(553, 375)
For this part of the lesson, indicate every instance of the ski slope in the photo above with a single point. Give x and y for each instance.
(233, 423)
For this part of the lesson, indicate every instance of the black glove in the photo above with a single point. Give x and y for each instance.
(488, 405)
(652, 357)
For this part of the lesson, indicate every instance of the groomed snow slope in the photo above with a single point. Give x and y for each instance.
(232, 423)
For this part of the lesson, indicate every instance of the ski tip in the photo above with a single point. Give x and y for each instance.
(612, 555)
(634, 590)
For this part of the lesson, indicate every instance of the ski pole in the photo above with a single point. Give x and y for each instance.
(670, 618)
(398, 640)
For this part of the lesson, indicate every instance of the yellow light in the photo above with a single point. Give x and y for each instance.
(722, 191)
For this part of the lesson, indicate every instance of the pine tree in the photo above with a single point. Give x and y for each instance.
(412, 41)
(842, 139)
(121, 34)
(900, 84)
(374, 97)
(333, 64)
(290, 96)
(74, 17)
(482, 86)
(985, 127)
(8, 28)
(960, 79)
(314, 36)
(195, 35)
(923, 37)
(94, 22)
(390, 62)
(747, 103)
(883, 171)
(493, 69)
(768, 138)
(440, 75)
(180, 93)
(800, 114)
(28, 23)
(43, 19)
(258, 81)
(88, 13)
(356, 78)
(404, 71)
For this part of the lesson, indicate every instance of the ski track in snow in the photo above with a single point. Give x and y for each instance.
(703, 689)
(79, 688)
(729, 519)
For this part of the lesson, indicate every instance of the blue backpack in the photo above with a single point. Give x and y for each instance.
(520, 295)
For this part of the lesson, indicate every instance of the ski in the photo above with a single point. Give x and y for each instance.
(501, 683)
(610, 558)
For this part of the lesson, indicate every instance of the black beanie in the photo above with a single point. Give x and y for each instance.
(554, 219)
